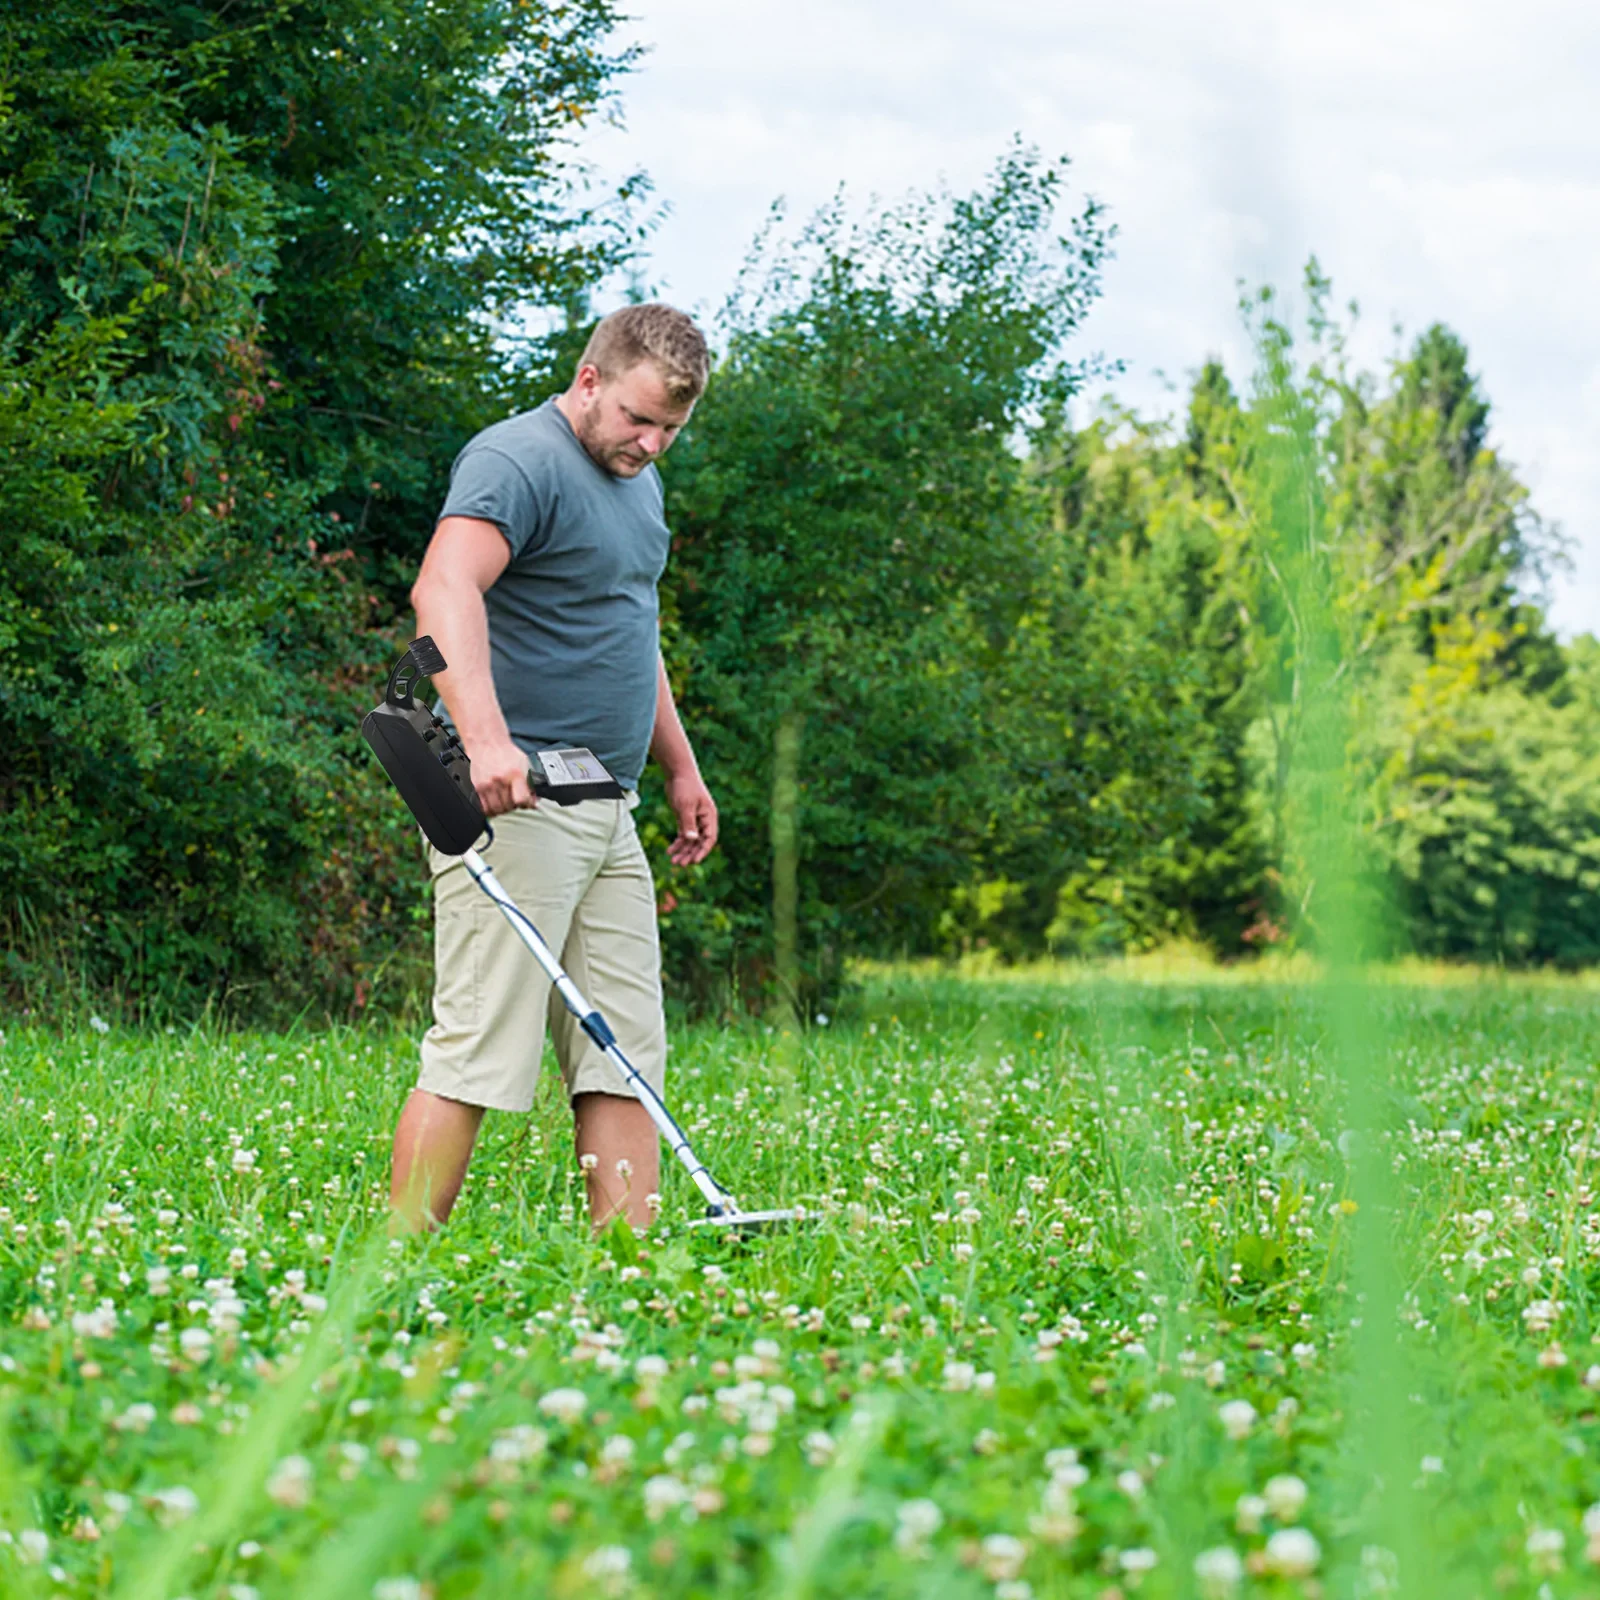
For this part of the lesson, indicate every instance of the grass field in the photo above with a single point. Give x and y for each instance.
(1076, 1319)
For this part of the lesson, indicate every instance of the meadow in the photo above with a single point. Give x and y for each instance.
(1075, 1317)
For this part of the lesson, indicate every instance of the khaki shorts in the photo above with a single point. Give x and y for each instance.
(580, 874)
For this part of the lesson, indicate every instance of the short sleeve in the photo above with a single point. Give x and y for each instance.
(487, 484)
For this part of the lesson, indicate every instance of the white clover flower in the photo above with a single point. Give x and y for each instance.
(1431, 1466)
(1293, 1553)
(1013, 1589)
(1380, 1571)
(959, 1376)
(1304, 1354)
(173, 1505)
(33, 1545)
(662, 1494)
(244, 1160)
(917, 1520)
(1131, 1484)
(618, 1450)
(1544, 1548)
(565, 1405)
(1541, 1314)
(1591, 1522)
(397, 1589)
(290, 1483)
(195, 1343)
(1215, 1375)
(100, 1025)
(819, 1448)
(1285, 1497)
(1001, 1556)
(651, 1369)
(1137, 1561)
(1218, 1572)
(609, 1568)
(1237, 1417)
(101, 1323)
(1248, 1513)
(137, 1418)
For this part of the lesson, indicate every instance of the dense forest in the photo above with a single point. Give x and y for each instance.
(1035, 683)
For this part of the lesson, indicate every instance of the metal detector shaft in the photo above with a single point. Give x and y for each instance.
(599, 1030)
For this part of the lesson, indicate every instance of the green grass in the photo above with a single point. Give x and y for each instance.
(1069, 1231)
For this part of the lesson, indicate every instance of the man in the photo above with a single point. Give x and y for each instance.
(539, 587)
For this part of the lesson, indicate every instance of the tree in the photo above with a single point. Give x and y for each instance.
(862, 552)
(250, 266)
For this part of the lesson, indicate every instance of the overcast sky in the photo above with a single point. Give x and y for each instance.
(1441, 159)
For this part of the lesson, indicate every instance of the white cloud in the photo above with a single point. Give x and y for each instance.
(1441, 157)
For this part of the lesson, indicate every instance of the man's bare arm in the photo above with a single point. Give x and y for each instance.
(686, 789)
(463, 559)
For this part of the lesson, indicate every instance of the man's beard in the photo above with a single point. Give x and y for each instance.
(618, 460)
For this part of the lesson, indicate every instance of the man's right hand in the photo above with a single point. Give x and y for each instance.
(500, 775)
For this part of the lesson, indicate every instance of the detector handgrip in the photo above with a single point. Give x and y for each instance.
(423, 757)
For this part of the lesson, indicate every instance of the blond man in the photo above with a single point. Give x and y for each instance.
(539, 587)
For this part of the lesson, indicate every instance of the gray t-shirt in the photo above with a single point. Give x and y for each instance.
(573, 635)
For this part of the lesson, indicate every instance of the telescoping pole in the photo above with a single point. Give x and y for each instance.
(599, 1030)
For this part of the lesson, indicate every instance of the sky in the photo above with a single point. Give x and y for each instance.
(1441, 160)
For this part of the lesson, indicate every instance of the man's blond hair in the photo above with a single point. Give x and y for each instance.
(660, 334)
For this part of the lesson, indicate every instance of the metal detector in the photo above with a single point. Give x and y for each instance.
(427, 764)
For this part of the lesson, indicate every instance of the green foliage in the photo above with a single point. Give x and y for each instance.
(260, 267)
(860, 543)
(1470, 759)
(248, 258)
(1168, 569)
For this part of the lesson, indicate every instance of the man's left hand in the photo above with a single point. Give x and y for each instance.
(697, 820)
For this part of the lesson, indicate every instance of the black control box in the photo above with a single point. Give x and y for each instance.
(423, 757)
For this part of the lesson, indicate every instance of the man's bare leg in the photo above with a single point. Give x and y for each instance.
(432, 1146)
(616, 1129)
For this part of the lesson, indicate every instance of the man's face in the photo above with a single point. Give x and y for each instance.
(626, 422)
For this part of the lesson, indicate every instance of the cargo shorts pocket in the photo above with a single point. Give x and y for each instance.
(458, 968)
